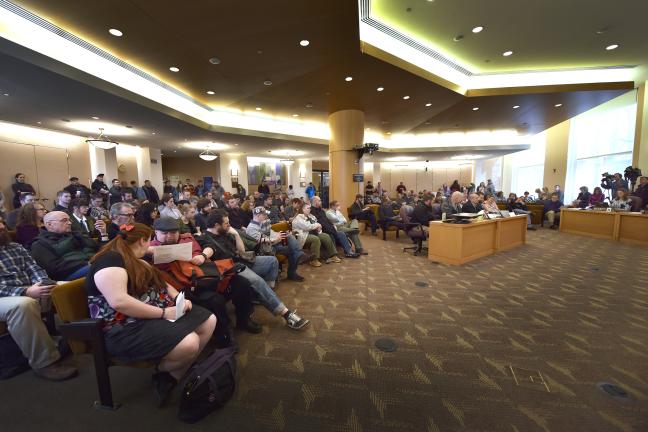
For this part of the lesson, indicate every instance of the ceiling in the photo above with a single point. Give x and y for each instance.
(542, 34)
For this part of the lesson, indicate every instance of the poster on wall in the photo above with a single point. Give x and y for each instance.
(271, 172)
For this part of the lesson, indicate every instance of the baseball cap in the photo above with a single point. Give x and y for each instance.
(260, 210)
(166, 224)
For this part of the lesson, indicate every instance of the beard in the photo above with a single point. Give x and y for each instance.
(222, 231)
(5, 238)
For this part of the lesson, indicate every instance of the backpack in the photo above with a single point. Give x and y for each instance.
(208, 386)
(12, 361)
(206, 275)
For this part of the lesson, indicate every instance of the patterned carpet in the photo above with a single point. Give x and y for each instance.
(568, 310)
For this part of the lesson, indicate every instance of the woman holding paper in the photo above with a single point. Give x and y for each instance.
(136, 306)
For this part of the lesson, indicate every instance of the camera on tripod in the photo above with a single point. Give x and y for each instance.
(606, 181)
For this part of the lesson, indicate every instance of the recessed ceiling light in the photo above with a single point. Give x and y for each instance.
(304, 42)
(210, 92)
(95, 117)
(116, 32)
(6, 94)
(558, 105)
(258, 109)
(349, 78)
(368, 128)
(475, 108)
(458, 38)
(39, 122)
(380, 89)
(516, 106)
(507, 53)
(267, 83)
(309, 105)
(388, 133)
(429, 104)
(477, 29)
(295, 115)
(406, 97)
(214, 60)
(174, 69)
(612, 47)
(152, 133)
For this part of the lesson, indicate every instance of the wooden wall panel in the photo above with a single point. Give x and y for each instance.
(16, 158)
(52, 166)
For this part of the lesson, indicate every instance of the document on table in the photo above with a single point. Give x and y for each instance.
(169, 253)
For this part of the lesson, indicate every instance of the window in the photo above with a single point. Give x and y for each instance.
(600, 140)
(527, 167)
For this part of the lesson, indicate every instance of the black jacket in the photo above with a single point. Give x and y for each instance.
(151, 194)
(327, 226)
(227, 244)
(85, 192)
(469, 207)
(355, 210)
(98, 185)
(62, 254)
(422, 214)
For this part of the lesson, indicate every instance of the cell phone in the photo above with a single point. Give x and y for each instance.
(48, 281)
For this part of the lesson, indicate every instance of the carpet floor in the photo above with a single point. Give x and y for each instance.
(519, 341)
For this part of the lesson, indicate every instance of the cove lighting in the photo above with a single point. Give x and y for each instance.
(201, 145)
(400, 159)
(91, 126)
(467, 157)
(286, 152)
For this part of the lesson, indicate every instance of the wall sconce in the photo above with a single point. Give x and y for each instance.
(234, 172)
(302, 174)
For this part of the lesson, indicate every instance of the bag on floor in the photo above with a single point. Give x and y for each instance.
(208, 386)
(12, 361)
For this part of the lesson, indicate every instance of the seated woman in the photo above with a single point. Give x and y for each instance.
(596, 197)
(29, 223)
(583, 198)
(136, 305)
(622, 202)
(309, 233)
(168, 207)
(147, 213)
(490, 205)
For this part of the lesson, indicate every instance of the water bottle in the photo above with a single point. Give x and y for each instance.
(443, 216)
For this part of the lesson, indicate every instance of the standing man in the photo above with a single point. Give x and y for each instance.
(263, 188)
(99, 186)
(20, 188)
(150, 192)
(76, 189)
(115, 192)
(310, 191)
(138, 192)
(401, 188)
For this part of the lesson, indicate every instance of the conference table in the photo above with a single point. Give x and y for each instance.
(458, 244)
(626, 227)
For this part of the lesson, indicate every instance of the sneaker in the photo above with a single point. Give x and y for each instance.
(249, 326)
(163, 383)
(295, 277)
(329, 260)
(294, 321)
(56, 372)
(352, 255)
(336, 259)
(315, 263)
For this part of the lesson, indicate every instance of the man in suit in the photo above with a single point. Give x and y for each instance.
(359, 211)
(85, 224)
(473, 205)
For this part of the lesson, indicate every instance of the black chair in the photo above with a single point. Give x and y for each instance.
(413, 230)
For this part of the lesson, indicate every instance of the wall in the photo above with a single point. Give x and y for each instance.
(417, 179)
(192, 168)
(47, 158)
(557, 145)
(320, 165)
(127, 164)
(229, 163)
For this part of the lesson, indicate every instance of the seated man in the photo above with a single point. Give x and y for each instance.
(203, 208)
(97, 208)
(452, 204)
(349, 228)
(583, 198)
(221, 241)
(273, 211)
(293, 208)
(473, 205)
(238, 217)
(63, 199)
(423, 212)
(329, 228)
(260, 229)
(128, 197)
(167, 232)
(359, 211)
(62, 253)
(518, 206)
(387, 216)
(12, 216)
(551, 211)
(86, 224)
(120, 214)
(642, 191)
(21, 291)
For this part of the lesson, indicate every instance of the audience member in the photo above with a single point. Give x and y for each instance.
(76, 189)
(128, 196)
(622, 202)
(455, 187)
(369, 188)
(273, 211)
(221, 241)
(99, 187)
(138, 192)
(203, 208)
(490, 187)
(551, 210)
(184, 197)
(561, 194)
(115, 192)
(386, 214)
(168, 207)
(238, 218)
(423, 213)
(452, 204)
(240, 190)
(518, 206)
(329, 228)
(615, 183)
(642, 191)
(310, 191)
(21, 295)
(147, 213)
(19, 187)
(63, 199)
(29, 223)
(473, 205)
(401, 188)
(168, 188)
(136, 304)
(596, 197)
(310, 235)
(218, 191)
(351, 229)
(583, 198)
(120, 214)
(187, 220)
(97, 209)
(361, 212)
(260, 229)
(62, 253)
(490, 205)
(263, 188)
(12, 216)
(86, 224)
(150, 192)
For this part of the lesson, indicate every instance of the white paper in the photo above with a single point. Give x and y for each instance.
(180, 305)
(169, 253)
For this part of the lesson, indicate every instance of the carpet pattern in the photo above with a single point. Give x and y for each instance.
(517, 341)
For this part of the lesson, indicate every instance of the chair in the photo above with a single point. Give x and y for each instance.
(85, 335)
(374, 208)
(278, 227)
(413, 230)
(637, 203)
(390, 226)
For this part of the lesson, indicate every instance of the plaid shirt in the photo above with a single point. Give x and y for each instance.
(18, 270)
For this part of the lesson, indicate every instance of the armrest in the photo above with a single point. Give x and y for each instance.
(87, 329)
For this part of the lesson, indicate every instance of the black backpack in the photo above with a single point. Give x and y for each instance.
(12, 361)
(208, 386)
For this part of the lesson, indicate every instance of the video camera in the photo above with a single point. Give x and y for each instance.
(632, 174)
(607, 180)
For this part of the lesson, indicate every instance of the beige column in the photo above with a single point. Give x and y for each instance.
(347, 132)
(557, 149)
(640, 153)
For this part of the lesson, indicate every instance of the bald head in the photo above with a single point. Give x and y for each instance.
(457, 197)
(57, 222)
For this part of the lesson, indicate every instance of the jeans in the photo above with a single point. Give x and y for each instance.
(82, 272)
(267, 297)
(344, 241)
(267, 267)
(369, 216)
(292, 251)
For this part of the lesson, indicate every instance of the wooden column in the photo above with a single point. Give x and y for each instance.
(347, 132)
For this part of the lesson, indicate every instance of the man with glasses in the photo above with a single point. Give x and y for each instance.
(62, 253)
(120, 213)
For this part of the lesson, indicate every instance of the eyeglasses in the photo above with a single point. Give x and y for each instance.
(129, 215)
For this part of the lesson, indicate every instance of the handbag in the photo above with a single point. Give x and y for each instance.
(264, 248)
(205, 276)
